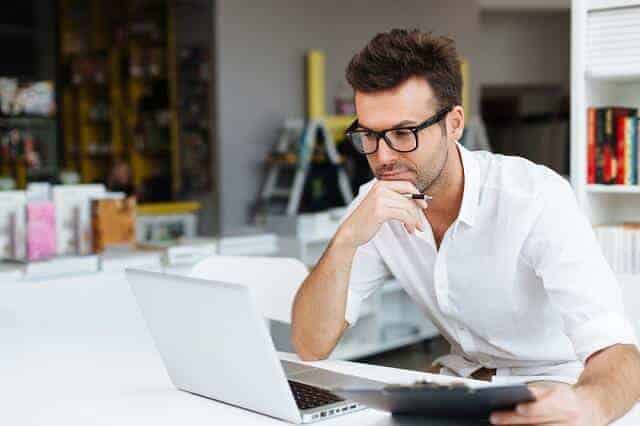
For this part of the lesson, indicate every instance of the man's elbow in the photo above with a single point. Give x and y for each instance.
(307, 352)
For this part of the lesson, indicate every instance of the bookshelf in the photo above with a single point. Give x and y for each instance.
(119, 98)
(602, 79)
(605, 71)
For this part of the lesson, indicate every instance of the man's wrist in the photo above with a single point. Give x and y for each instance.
(343, 240)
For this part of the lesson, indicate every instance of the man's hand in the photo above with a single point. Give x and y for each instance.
(384, 201)
(554, 405)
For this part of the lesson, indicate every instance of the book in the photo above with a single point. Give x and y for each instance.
(628, 151)
(600, 142)
(591, 145)
(73, 217)
(12, 225)
(612, 145)
(41, 230)
(635, 146)
(620, 129)
(620, 245)
(113, 223)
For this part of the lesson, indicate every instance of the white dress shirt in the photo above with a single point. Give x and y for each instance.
(519, 282)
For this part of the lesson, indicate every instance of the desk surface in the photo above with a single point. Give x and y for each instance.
(75, 351)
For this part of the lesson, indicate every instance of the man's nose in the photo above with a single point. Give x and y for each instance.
(385, 154)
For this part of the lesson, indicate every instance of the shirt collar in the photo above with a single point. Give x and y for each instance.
(471, 192)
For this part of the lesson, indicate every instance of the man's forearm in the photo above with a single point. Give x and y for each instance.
(611, 381)
(319, 306)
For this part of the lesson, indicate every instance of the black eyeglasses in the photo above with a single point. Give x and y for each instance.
(401, 139)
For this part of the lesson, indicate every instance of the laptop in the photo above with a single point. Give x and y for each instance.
(214, 343)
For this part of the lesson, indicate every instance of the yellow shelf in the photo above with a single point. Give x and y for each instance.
(160, 209)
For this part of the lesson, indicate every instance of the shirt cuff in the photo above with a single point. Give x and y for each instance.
(352, 311)
(601, 332)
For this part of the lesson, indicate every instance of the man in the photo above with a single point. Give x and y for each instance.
(501, 259)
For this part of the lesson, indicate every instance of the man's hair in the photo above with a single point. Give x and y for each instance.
(391, 58)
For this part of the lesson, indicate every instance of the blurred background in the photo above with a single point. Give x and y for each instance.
(181, 100)
(164, 131)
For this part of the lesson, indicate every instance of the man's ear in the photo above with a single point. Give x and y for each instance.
(455, 122)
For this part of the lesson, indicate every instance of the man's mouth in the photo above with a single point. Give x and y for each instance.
(395, 176)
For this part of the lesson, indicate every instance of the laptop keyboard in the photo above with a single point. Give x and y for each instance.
(308, 396)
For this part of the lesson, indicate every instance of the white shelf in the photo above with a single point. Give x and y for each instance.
(614, 189)
(595, 5)
(618, 74)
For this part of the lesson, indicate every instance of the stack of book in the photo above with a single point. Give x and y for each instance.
(50, 231)
(612, 146)
(621, 246)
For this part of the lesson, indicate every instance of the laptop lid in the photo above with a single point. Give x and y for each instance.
(213, 341)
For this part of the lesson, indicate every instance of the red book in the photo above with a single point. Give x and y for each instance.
(608, 155)
(620, 148)
(591, 145)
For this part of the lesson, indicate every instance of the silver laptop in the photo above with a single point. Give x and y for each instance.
(215, 343)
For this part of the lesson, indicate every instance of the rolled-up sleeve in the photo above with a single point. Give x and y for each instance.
(563, 251)
(368, 272)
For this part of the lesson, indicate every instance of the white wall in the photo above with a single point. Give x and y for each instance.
(524, 48)
(260, 70)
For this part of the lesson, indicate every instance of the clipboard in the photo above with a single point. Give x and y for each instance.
(437, 400)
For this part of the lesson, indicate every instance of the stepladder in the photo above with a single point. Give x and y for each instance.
(300, 144)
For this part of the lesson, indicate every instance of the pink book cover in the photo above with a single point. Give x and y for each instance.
(41, 230)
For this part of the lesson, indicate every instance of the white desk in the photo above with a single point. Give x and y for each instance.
(75, 351)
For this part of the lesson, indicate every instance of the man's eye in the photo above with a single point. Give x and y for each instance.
(401, 133)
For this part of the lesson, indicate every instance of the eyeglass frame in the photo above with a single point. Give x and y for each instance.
(436, 118)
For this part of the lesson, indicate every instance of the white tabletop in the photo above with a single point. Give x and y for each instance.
(75, 351)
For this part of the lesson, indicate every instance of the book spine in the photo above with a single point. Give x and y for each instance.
(607, 144)
(600, 119)
(636, 154)
(591, 145)
(628, 148)
(619, 127)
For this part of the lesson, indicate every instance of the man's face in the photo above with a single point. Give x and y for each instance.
(407, 105)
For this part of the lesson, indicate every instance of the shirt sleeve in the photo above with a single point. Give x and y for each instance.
(368, 270)
(563, 251)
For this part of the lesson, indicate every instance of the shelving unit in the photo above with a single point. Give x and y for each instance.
(119, 102)
(595, 83)
(605, 71)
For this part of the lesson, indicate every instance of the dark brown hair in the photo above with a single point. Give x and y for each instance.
(391, 58)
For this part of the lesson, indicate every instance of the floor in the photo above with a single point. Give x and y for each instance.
(414, 357)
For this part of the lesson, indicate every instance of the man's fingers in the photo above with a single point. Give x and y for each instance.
(410, 207)
(403, 187)
(404, 216)
(513, 418)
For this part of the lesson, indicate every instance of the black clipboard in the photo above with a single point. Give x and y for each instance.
(451, 401)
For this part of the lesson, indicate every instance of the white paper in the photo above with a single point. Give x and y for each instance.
(13, 240)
